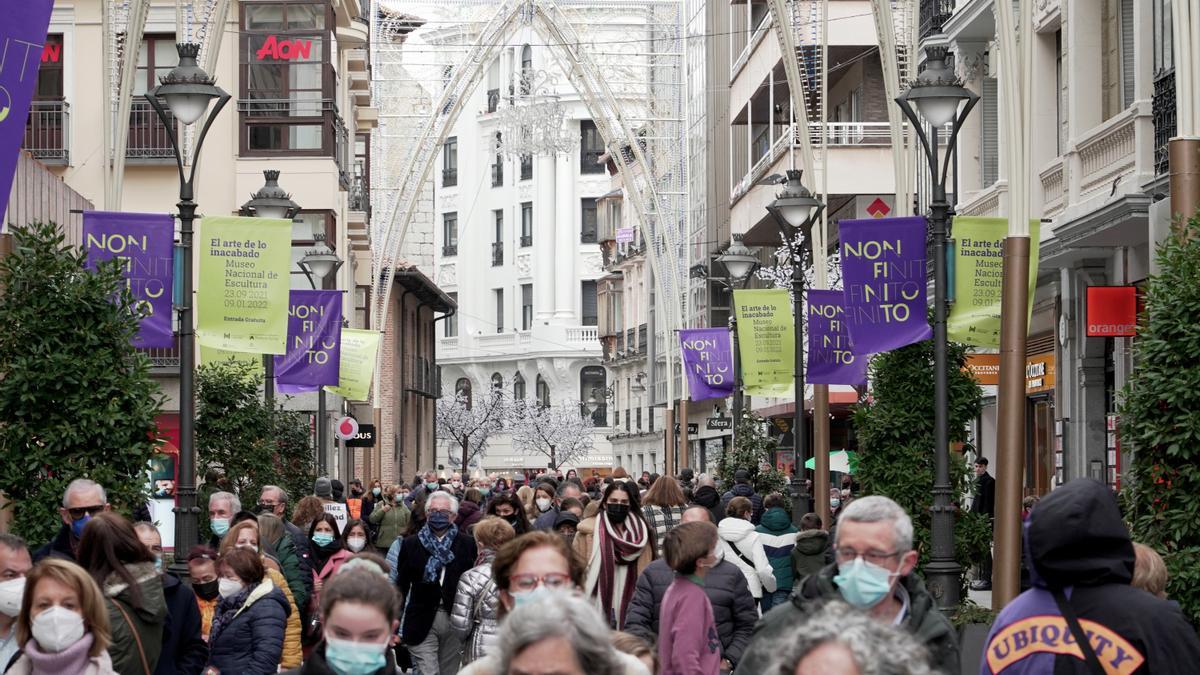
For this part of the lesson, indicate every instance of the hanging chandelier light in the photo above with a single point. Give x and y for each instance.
(532, 120)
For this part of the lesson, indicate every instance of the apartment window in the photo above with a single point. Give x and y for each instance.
(989, 151)
(451, 322)
(462, 390)
(497, 381)
(498, 167)
(526, 69)
(46, 125)
(588, 302)
(591, 147)
(362, 306)
(1116, 56)
(542, 392)
(148, 138)
(450, 162)
(287, 80)
(50, 72)
(498, 242)
(499, 295)
(526, 167)
(527, 224)
(587, 232)
(639, 420)
(593, 383)
(450, 234)
(526, 306)
(1164, 39)
(1060, 108)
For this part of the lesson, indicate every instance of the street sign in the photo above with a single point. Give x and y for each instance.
(365, 438)
(719, 423)
(693, 427)
(346, 428)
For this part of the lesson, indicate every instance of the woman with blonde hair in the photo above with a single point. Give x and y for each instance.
(63, 625)
(525, 494)
(245, 535)
(663, 508)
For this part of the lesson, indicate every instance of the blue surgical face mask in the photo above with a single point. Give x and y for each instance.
(485, 491)
(354, 658)
(863, 584)
(834, 503)
(219, 526)
(78, 525)
(432, 486)
(439, 520)
(538, 594)
(158, 564)
(376, 491)
(322, 538)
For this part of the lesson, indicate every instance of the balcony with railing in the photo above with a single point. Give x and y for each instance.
(583, 335)
(47, 129)
(164, 360)
(589, 161)
(449, 250)
(497, 253)
(526, 240)
(148, 139)
(497, 175)
(934, 14)
(1163, 111)
(360, 194)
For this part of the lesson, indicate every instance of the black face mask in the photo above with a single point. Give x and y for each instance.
(617, 513)
(513, 519)
(206, 590)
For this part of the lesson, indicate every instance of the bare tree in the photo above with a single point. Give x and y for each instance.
(562, 432)
(467, 424)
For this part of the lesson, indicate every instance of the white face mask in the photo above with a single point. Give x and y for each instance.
(229, 587)
(543, 504)
(356, 544)
(57, 628)
(11, 592)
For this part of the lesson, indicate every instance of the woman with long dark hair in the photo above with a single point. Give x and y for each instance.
(124, 570)
(617, 544)
(328, 553)
(508, 506)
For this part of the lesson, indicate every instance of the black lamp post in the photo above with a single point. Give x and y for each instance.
(796, 211)
(317, 264)
(739, 264)
(938, 95)
(271, 201)
(186, 91)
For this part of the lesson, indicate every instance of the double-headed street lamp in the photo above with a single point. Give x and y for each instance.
(318, 264)
(739, 263)
(796, 210)
(271, 201)
(186, 92)
(940, 99)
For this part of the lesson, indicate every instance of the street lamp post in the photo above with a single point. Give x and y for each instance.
(739, 265)
(795, 211)
(187, 92)
(317, 264)
(270, 202)
(938, 95)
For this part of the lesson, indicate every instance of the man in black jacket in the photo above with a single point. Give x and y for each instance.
(427, 572)
(184, 651)
(734, 610)
(985, 503)
(743, 488)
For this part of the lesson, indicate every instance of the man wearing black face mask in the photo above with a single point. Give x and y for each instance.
(427, 573)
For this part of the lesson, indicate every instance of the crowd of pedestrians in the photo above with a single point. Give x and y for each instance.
(566, 576)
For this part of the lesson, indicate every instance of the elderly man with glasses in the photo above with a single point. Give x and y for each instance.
(873, 573)
(82, 499)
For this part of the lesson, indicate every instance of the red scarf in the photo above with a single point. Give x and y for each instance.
(619, 552)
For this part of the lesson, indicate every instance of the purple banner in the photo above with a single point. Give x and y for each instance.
(708, 362)
(145, 245)
(314, 341)
(23, 33)
(883, 273)
(831, 357)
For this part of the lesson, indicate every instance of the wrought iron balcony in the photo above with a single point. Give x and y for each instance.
(526, 240)
(497, 253)
(163, 361)
(1163, 112)
(360, 194)
(934, 14)
(148, 139)
(46, 130)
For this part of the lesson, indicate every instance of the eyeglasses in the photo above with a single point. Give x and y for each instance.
(845, 555)
(79, 512)
(523, 583)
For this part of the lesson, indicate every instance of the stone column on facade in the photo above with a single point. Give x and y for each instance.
(566, 207)
(971, 64)
(546, 219)
(1088, 405)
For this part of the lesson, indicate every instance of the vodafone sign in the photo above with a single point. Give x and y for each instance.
(346, 428)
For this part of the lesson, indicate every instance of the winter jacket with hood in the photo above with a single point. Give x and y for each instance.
(745, 490)
(184, 652)
(1076, 542)
(251, 642)
(924, 622)
(391, 523)
(734, 609)
(147, 619)
(812, 552)
(475, 616)
(293, 570)
(778, 537)
(738, 536)
(708, 497)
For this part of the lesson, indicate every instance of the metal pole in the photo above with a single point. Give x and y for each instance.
(681, 460)
(943, 573)
(800, 496)
(738, 400)
(322, 433)
(821, 454)
(269, 382)
(187, 531)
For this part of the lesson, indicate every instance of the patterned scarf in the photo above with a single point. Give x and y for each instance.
(619, 554)
(440, 554)
(227, 608)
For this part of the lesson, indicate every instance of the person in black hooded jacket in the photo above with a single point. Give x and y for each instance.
(706, 495)
(1080, 559)
(743, 488)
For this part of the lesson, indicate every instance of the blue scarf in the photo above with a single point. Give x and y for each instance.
(227, 608)
(440, 554)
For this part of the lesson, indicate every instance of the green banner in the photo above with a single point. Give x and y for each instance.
(242, 294)
(766, 341)
(358, 364)
(979, 278)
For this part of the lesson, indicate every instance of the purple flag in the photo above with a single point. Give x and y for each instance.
(708, 361)
(145, 245)
(23, 33)
(883, 272)
(831, 357)
(314, 341)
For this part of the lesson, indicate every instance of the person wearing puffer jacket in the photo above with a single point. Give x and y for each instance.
(740, 545)
(778, 537)
(475, 615)
(247, 630)
(743, 488)
(812, 551)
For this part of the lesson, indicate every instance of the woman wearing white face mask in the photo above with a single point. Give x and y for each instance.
(360, 613)
(63, 626)
(245, 535)
(247, 630)
(355, 536)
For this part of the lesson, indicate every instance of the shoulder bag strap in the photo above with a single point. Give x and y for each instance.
(136, 638)
(1077, 632)
(742, 555)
